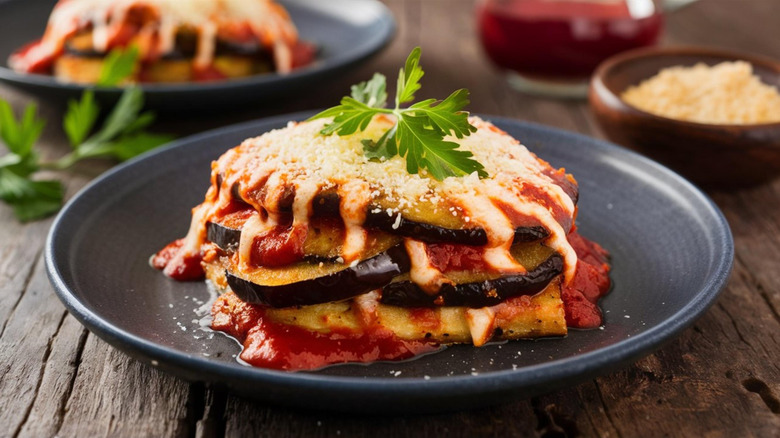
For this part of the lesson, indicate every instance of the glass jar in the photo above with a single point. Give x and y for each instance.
(551, 47)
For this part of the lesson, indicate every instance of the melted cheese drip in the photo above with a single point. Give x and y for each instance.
(253, 227)
(500, 232)
(422, 272)
(481, 325)
(268, 21)
(355, 196)
(558, 236)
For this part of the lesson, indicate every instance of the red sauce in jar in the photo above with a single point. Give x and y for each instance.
(283, 347)
(562, 39)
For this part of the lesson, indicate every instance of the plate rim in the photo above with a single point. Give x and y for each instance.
(324, 66)
(549, 374)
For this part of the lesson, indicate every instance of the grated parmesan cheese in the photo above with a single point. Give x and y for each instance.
(727, 93)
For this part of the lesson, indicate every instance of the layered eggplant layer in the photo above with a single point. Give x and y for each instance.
(81, 62)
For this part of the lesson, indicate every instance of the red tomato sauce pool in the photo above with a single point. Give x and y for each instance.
(283, 347)
(591, 282)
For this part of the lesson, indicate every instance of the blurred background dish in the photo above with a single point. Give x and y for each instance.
(551, 47)
(345, 32)
(710, 154)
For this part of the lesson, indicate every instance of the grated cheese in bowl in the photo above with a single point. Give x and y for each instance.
(727, 93)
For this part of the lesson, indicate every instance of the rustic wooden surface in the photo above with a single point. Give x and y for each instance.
(720, 378)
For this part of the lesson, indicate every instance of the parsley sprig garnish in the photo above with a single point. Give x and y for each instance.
(419, 131)
(121, 136)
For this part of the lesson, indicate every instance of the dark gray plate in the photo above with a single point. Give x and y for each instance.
(672, 253)
(345, 31)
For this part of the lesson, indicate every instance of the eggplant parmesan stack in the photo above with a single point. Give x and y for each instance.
(177, 40)
(325, 256)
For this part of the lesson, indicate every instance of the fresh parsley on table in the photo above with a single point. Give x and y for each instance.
(121, 136)
(419, 131)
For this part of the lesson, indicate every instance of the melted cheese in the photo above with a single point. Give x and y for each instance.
(422, 271)
(481, 324)
(268, 21)
(354, 202)
(255, 226)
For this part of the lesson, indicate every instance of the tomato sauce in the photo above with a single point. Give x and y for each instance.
(283, 347)
(32, 59)
(207, 73)
(280, 246)
(303, 53)
(591, 282)
(186, 269)
(450, 257)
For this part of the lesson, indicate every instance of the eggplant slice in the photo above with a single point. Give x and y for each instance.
(227, 237)
(367, 275)
(481, 294)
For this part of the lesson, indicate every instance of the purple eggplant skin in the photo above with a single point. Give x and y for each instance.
(368, 275)
(226, 238)
(327, 205)
(433, 234)
(475, 295)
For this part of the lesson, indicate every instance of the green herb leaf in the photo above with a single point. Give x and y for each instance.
(122, 117)
(372, 93)
(131, 146)
(424, 147)
(121, 136)
(118, 66)
(419, 132)
(30, 199)
(20, 135)
(349, 117)
(409, 78)
(80, 118)
(384, 148)
(446, 116)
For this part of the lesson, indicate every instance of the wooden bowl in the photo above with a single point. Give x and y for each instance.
(712, 155)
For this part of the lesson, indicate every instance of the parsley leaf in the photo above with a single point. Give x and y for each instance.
(121, 136)
(349, 117)
(20, 135)
(118, 65)
(80, 118)
(372, 93)
(409, 78)
(419, 132)
(30, 199)
(425, 147)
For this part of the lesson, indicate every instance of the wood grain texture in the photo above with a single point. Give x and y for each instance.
(721, 378)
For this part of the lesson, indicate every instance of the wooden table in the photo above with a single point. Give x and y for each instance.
(719, 378)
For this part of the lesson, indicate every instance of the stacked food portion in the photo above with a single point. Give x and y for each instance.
(335, 248)
(177, 40)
